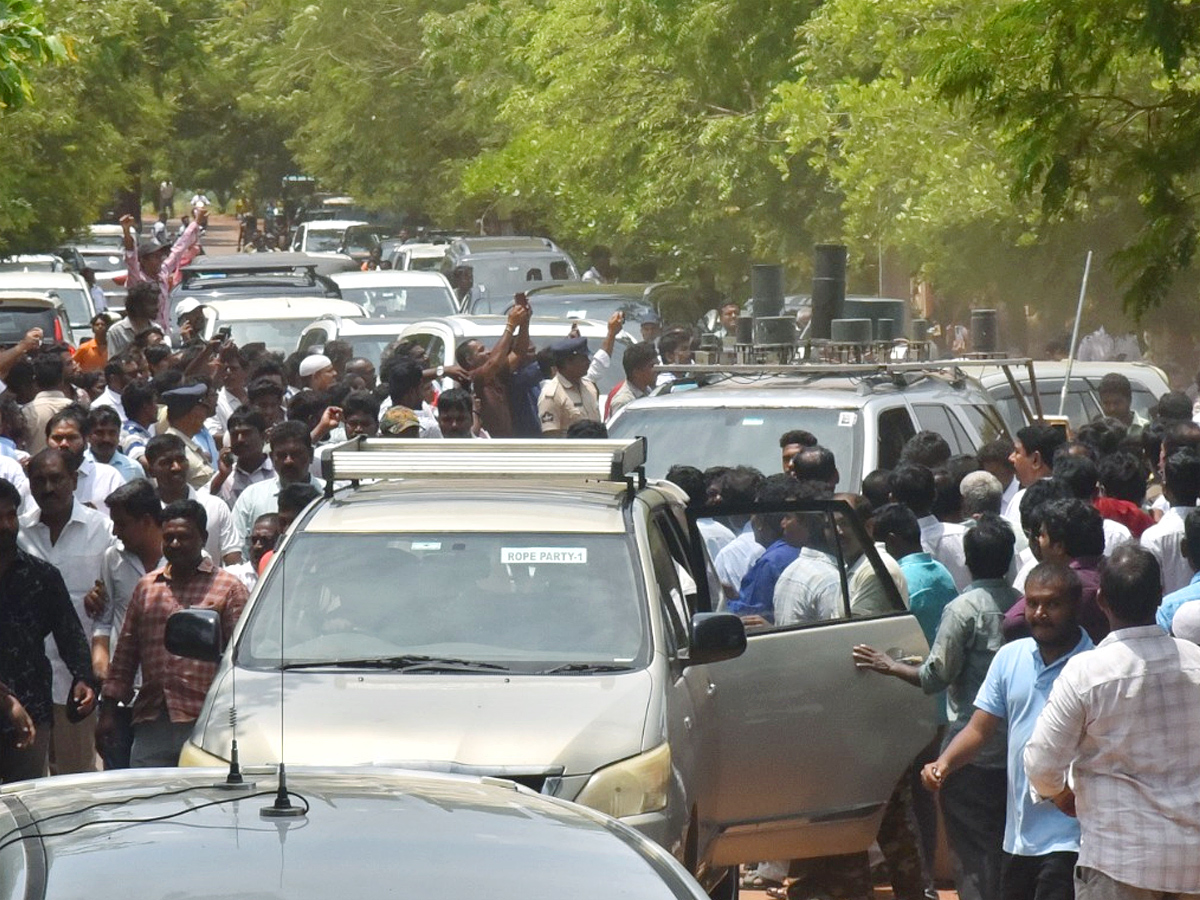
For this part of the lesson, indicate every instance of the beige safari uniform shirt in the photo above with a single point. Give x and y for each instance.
(562, 404)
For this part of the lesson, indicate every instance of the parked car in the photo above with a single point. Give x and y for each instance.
(1148, 382)
(424, 257)
(441, 337)
(183, 833)
(398, 294)
(536, 610)
(274, 321)
(322, 236)
(864, 420)
(23, 310)
(359, 240)
(32, 262)
(255, 275)
(108, 263)
(368, 336)
(501, 266)
(67, 287)
(583, 300)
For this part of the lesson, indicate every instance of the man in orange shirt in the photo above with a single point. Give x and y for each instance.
(92, 355)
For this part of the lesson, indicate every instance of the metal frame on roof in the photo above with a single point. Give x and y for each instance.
(599, 460)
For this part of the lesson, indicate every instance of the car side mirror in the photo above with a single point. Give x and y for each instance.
(194, 634)
(716, 637)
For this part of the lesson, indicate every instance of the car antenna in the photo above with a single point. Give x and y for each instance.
(234, 780)
(282, 807)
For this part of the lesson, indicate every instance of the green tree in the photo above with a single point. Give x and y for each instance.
(24, 45)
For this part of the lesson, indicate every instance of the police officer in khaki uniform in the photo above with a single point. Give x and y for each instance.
(571, 395)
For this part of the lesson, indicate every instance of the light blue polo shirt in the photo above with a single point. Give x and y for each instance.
(1171, 603)
(1016, 689)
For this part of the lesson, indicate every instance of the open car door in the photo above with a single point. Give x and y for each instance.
(808, 747)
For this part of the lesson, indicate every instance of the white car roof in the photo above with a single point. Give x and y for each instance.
(41, 281)
(424, 251)
(332, 224)
(390, 278)
(492, 326)
(236, 310)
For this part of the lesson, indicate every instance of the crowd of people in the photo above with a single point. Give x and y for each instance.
(1056, 580)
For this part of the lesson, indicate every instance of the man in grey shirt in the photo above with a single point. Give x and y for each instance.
(968, 636)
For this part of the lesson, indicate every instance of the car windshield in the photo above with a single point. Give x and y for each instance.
(424, 263)
(527, 602)
(506, 275)
(104, 262)
(75, 301)
(278, 334)
(741, 436)
(392, 300)
(15, 321)
(323, 242)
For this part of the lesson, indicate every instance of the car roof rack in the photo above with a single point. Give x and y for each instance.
(706, 374)
(616, 460)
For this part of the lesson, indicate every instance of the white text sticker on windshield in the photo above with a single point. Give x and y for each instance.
(847, 419)
(751, 420)
(543, 556)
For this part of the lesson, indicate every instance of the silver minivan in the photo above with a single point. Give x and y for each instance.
(539, 611)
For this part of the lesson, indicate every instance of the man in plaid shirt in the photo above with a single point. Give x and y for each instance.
(173, 687)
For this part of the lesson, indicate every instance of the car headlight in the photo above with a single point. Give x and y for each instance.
(192, 756)
(632, 786)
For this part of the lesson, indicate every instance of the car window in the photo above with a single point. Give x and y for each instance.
(934, 417)
(986, 420)
(417, 302)
(895, 428)
(525, 601)
(670, 589)
(15, 322)
(313, 338)
(435, 347)
(837, 573)
(749, 436)
(323, 242)
(278, 334)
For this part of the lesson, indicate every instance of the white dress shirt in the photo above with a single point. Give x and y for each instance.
(1124, 721)
(1115, 534)
(79, 557)
(736, 558)
(222, 536)
(258, 500)
(715, 535)
(1164, 539)
(944, 542)
(120, 572)
(12, 472)
(113, 399)
(94, 482)
(239, 479)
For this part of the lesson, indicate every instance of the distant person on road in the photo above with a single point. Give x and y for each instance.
(600, 271)
(166, 197)
(149, 261)
(99, 301)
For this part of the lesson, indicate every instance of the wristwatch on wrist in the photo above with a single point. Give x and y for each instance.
(440, 371)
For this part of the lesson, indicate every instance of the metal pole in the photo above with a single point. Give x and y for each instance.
(1087, 268)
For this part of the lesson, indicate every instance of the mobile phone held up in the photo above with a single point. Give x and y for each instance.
(521, 299)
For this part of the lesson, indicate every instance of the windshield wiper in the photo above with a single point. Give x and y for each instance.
(411, 662)
(584, 669)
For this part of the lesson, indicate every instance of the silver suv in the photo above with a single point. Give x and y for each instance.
(863, 417)
(539, 611)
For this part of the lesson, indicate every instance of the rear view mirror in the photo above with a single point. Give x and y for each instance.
(716, 637)
(194, 634)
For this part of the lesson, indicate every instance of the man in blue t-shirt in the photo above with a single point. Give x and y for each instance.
(1041, 842)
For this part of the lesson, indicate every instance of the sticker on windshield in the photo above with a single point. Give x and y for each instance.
(426, 545)
(750, 420)
(542, 556)
(847, 419)
(576, 313)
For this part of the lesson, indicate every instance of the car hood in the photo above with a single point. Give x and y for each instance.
(484, 724)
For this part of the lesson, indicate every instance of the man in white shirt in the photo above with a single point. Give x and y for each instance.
(72, 538)
(119, 373)
(1032, 459)
(1124, 721)
(251, 463)
(167, 456)
(94, 481)
(136, 515)
(291, 455)
(914, 486)
(1181, 485)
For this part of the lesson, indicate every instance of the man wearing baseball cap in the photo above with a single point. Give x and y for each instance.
(148, 261)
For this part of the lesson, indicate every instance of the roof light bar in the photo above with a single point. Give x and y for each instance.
(602, 460)
(805, 368)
